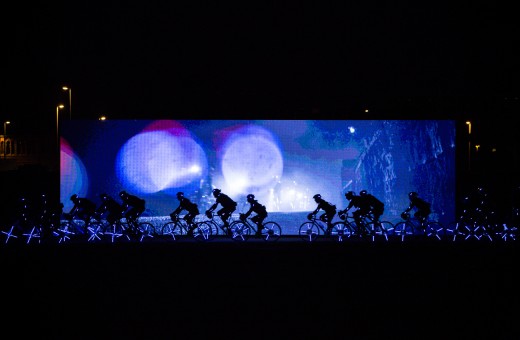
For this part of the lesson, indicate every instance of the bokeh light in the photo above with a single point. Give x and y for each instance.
(162, 158)
(73, 175)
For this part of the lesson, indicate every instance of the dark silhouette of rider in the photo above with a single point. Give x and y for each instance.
(362, 208)
(190, 207)
(329, 211)
(422, 208)
(228, 207)
(83, 209)
(376, 206)
(109, 209)
(259, 210)
(133, 206)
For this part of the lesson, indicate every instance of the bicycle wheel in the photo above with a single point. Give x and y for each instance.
(203, 231)
(33, 235)
(95, 231)
(404, 231)
(145, 231)
(64, 232)
(309, 231)
(173, 229)
(453, 231)
(378, 231)
(116, 232)
(341, 231)
(434, 230)
(271, 231)
(240, 231)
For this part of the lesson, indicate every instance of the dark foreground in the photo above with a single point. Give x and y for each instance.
(290, 290)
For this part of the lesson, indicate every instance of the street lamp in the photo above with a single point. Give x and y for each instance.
(468, 123)
(5, 133)
(58, 108)
(68, 89)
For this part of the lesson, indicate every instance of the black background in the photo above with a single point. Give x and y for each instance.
(305, 60)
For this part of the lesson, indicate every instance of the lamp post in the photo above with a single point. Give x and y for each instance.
(468, 123)
(58, 108)
(69, 90)
(5, 133)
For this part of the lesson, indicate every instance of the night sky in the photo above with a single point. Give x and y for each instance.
(139, 58)
(142, 60)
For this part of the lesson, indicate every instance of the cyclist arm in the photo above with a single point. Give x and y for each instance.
(213, 207)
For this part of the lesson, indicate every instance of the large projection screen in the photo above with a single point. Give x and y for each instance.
(284, 163)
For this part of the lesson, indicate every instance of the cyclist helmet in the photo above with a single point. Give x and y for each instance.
(250, 197)
(180, 194)
(349, 195)
(363, 193)
(74, 197)
(317, 196)
(413, 194)
(216, 192)
(405, 216)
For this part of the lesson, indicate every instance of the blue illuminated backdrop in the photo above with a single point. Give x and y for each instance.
(283, 162)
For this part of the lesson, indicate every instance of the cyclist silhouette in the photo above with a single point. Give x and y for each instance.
(329, 211)
(422, 208)
(362, 205)
(376, 206)
(259, 210)
(133, 206)
(109, 209)
(228, 207)
(83, 209)
(190, 207)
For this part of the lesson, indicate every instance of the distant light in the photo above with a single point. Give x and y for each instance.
(366, 110)
(477, 146)
(351, 129)
(65, 88)
(494, 150)
(61, 106)
(102, 118)
(8, 122)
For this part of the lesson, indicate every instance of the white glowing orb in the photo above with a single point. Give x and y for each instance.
(251, 161)
(157, 160)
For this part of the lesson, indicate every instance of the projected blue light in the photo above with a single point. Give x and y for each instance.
(160, 160)
(73, 175)
(283, 162)
(250, 160)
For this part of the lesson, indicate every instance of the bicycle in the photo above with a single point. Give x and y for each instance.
(407, 228)
(473, 225)
(215, 227)
(312, 229)
(128, 229)
(241, 229)
(70, 227)
(369, 229)
(22, 227)
(202, 231)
